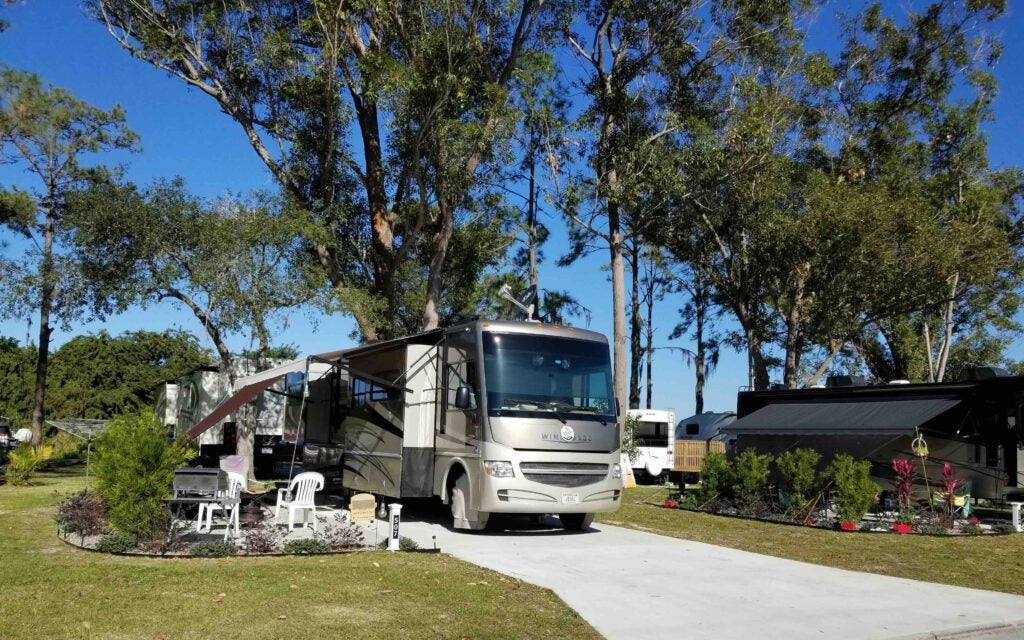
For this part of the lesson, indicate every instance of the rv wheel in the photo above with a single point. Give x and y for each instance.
(576, 521)
(462, 516)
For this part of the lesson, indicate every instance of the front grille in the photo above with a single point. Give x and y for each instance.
(564, 474)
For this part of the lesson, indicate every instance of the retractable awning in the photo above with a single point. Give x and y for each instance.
(853, 417)
(250, 387)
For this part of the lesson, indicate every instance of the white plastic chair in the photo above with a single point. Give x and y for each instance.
(299, 497)
(235, 483)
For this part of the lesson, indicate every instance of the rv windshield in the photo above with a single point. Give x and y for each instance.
(562, 376)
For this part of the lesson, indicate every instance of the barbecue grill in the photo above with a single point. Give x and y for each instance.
(199, 482)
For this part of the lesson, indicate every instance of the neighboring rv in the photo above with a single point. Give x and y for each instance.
(654, 437)
(492, 417)
(977, 426)
(694, 437)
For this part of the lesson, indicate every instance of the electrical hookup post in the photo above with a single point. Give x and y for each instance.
(394, 523)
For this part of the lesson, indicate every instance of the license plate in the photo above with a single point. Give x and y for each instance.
(570, 498)
(268, 450)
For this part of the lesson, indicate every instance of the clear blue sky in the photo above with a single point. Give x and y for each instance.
(183, 133)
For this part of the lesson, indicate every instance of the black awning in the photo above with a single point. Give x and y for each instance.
(864, 417)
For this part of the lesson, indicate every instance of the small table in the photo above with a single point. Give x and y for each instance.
(229, 504)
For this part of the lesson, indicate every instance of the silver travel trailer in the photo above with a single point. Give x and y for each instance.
(492, 417)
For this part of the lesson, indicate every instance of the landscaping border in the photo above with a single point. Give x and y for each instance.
(274, 554)
(737, 516)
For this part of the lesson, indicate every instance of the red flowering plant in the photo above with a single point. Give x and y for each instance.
(950, 483)
(904, 483)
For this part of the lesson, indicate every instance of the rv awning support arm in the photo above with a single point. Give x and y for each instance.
(342, 363)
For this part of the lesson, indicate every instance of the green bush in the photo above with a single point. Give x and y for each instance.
(213, 549)
(308, 546)
(799, 478)
(852, 488)
(134, 468)
(404, 544)
(22, 464)
(117, 542)
(716, 477)
(750, 477)
(67, 446)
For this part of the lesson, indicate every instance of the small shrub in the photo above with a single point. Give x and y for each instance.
(1003, 527)
(716, 477)
(134, 468)
(688, 501)
(22, 464)
(630, 443)
(404, 544)
(852, 488)
(950, 483)
(750, 477)
(212, 549)
(799, 477)
(83, 513)
(971, 530)
(264, 538)
(66, 446)
(341, 535)
(117, 542)
(308, 546)
(172, 540)
(933, 530)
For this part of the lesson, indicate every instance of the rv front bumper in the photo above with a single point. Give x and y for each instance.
(548, 482)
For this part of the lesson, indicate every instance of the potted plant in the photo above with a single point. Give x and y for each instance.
(670, 504)
(904, 522)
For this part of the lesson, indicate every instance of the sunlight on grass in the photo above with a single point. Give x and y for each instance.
(53, 590)
(982, 562)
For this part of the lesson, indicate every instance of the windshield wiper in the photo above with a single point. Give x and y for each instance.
(540, 403)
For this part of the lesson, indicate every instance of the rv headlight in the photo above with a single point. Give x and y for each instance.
(616, 470)
(499, 469)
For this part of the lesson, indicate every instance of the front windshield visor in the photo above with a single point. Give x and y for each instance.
(526, 373)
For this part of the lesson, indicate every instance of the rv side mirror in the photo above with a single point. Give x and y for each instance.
(464, 397)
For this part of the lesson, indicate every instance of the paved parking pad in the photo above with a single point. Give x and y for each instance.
(631, 584)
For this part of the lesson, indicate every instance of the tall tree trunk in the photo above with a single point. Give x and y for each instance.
(635, 347)
(650, 342)
(618, 306)
(246, 419)
(701, 356)
(438, 252)
(45, 303)
(531, 212)
(758, 365)
(947, 338)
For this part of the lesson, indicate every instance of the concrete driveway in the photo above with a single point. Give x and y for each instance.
(631, 584)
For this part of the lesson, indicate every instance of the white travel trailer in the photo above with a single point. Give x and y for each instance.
(492, 417)
(654, 437)
(694, 438)
(183, 402)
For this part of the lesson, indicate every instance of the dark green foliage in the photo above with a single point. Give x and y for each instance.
(716, 477)
(404, 544)
(134, 468)
(750, 479)
(212, 549)
(117, 542)
(101, 376)
(852, 489)
(82, 513)
(799, 477)
(17, 367)
(307, 546)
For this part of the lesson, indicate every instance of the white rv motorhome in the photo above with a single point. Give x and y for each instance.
(654, 438)
(492, 417)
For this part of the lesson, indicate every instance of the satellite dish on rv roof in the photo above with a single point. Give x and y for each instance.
(524, 303)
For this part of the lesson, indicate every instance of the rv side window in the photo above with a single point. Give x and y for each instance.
(652, 434)
(692, 429)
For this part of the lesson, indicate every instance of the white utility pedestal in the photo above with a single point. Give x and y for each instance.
(394, 522)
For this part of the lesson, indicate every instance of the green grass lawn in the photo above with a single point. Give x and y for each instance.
(52, 590)
(983, 562)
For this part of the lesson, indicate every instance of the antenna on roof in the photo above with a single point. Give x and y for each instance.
(525, 303)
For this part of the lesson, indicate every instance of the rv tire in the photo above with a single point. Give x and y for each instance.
(576, 521)
(462, 516)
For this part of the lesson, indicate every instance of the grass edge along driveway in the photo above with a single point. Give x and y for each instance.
(980, 562)
(52, 590)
